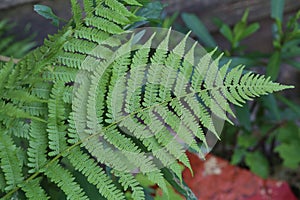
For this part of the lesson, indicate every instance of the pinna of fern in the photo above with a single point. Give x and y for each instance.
(103, 104)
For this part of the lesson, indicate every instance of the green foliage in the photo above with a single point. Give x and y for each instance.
(63, 130)
(277, 7)
(289, 136)
(240, 31)
(159, 195)
(8, 45)
(47, 12)
(258, 164)
(199, 29)
(150, 13)
(267, 129)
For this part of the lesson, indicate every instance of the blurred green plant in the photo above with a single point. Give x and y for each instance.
(9, 46)
(152, 14)
(268, 133)
(173, 184)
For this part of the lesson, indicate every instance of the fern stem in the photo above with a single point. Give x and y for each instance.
(7, 59)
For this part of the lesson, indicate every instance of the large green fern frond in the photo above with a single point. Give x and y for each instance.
(101, 104)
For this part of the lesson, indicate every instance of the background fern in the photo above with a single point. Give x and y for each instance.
(10, 47)
(62, 128)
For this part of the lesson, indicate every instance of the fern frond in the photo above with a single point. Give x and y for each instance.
(56, 128)
(68, 95)
(105, 153)
(127, 180)
(38, 143)
(71, 60)
(180, 129)
(133, 2)
(119, 68)
(200, 71)
(119, 7)
(25, 96)
(202, 113)
(18, 127)
(77, 12)
(111, 15)
(104, 25)
(32, 64)
(157, 177)
(11, 164)
(2, 181)
(65, 181)
(88, 7)
(60, 73)
(73, 136)
(154, 73)
(36, 109)
(95, 175)
(4, 73)
(153, 140)
(80, 46)
(15, 112)
(33, 190)
(135, 157)
(138, 70)
(41, 90)
(90, 34)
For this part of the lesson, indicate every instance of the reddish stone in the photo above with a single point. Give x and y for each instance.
(216, 179)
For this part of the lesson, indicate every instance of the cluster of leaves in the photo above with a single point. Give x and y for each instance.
(63, 133)
(268, 128)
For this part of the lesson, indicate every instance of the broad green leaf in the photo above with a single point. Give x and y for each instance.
(252, 28)
(274, 65)
(258, 164)
(238, 31)
(294, 64)
(270, 103)
(151, 11)
(167, 23)
(182, 188)
(144, 181)
(293, 106)
(246, 140)
(218, 22)
(194, 23)
(290, 48)
(243, 116)
(237, 156)
(245, 16)
(240, 27)
(277, 8)
(47, 12)
(226, 32)
(289, 147)
(290, 154)
(288, 133)
(172, 195)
